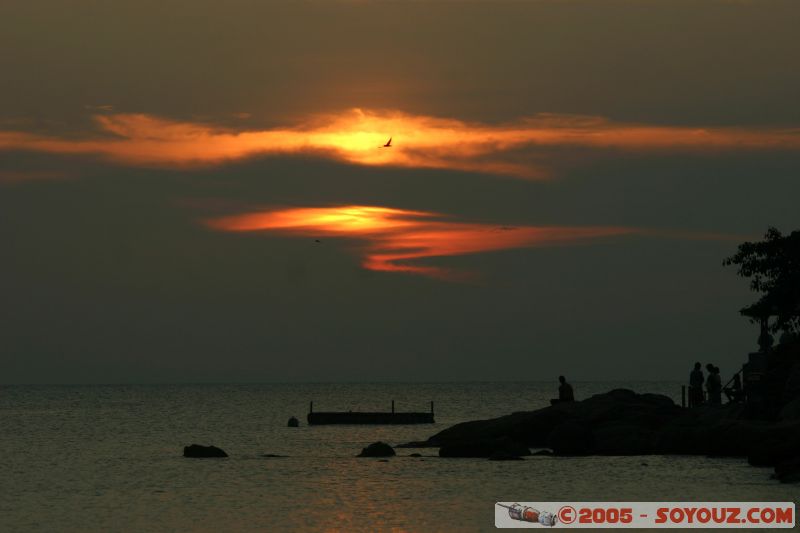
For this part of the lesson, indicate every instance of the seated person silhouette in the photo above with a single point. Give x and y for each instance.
(565, 392)
(735, 393)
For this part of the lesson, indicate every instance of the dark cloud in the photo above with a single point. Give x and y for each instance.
(111, 275)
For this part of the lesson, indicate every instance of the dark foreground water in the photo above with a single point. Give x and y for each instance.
(108, 458)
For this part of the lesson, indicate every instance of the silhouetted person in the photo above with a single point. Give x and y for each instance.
(735, 392)
(565, 392)
(696, 381)
(713, 385)
(718, 385)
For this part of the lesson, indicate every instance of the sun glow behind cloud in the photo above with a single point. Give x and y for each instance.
(356, 137)
(396, 240)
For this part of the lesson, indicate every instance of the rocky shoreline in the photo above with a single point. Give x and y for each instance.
(622, 422)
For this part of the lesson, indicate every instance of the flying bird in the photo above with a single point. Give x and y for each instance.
(388, 143)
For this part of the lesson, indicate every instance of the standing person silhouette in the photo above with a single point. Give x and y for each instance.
(713, 385)
(717, 386)
(696, 381)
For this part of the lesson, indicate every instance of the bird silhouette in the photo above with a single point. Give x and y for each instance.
(388, 143)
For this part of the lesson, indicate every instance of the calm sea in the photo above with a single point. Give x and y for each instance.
(108, 458)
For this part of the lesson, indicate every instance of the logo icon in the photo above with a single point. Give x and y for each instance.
(567, 514)
(529, 514)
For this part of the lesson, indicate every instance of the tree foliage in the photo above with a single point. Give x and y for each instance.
(773, 267)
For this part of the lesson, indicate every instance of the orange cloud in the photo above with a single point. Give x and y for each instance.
(395, 240)
(357, 137)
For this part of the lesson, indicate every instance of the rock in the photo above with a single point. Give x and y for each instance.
(774, 450)
(484, 448)
(622, 439)
(791, 411)
(196, 450)
(677, 437)
(534, 428)
(467, 449)
(416, 444)
(788, 471)
(733, 438)
(791, 388)
(415, 455)
(273, 456)
(501, 455)
(571, 438)
(377, 449)
(530, 428)
(622, 422)
(293, 423)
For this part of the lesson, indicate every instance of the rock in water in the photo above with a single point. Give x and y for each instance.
(293, 423)
(196, 450)
(377, 449)
(571, 438)
(501, 455)
(478, 448)
(545, 453)
(620, 407)
(622, 439)
(484, 448)
(773, 452)
(791, 411)
(788, 471)
(622, 422)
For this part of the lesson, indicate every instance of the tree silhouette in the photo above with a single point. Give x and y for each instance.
(773, 266)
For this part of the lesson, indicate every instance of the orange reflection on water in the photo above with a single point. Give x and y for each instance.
(396, 240)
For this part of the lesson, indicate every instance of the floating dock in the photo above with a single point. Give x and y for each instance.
(355, 417)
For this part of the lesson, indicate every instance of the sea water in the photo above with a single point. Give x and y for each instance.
(109, 458)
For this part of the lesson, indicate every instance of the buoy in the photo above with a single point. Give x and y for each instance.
(293, 422)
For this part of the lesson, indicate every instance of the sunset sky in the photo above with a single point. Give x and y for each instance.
(201, 192)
